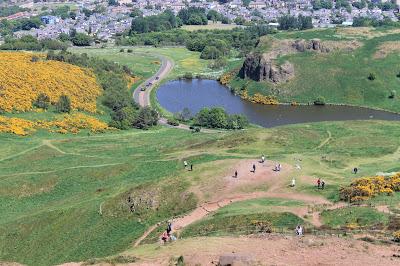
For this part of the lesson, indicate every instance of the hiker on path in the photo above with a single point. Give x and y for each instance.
(322, 184)
(191, 167)
(254, 168)
(169, 228)
(236, 174)
(263, 158)
(355, 170)
(293, 182)
(185, 164)
(319, 183)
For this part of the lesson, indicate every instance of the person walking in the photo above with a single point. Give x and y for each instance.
(236, 174)
(254, 168)
(169, 228)
(263, 158)
(293, 182)
(319, 183)
(185, 163)
(322, 184)
(191, 167)
(355, 170)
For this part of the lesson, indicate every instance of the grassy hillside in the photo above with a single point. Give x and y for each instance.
(340, 77)
(70, 202)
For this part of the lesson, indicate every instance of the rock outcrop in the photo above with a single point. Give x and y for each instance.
(260, 68)
(312, 45)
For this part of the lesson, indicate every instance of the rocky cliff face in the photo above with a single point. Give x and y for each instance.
(260, 68)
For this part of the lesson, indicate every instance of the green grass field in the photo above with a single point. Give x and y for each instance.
(64, 196)
(341, 77)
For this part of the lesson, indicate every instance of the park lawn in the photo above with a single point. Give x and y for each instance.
(340, 77)
(50, 211)
(354, 216)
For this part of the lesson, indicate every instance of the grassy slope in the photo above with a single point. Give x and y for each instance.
(360, 216)
(340, 77)
(53, 217)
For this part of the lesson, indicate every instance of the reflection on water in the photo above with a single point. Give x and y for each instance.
(196, 94)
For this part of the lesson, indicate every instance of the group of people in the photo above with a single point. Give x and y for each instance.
(185, 163)
(278, 167)
(167, 234)
(320, 184)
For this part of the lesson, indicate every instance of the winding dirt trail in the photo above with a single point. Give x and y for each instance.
(230, 191)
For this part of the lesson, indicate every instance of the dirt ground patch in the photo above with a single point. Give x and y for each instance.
(387, 48)
(271, 250)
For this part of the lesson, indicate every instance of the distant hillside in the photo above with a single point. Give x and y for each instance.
(24, 76)
(333, 64)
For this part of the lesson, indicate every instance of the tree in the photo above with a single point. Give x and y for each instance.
(42, 101)
(304, 22)
(246, 2)
(64, 104)
(136, 12)
(210, 52)
(113, 3)
(81, 39)
(287, 22)
(124, 118)
(146, 118)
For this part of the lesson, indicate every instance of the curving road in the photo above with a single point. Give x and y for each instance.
(143, 97)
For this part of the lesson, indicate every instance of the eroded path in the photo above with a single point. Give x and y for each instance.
(230, 191)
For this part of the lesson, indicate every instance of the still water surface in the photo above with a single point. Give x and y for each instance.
(197, 93)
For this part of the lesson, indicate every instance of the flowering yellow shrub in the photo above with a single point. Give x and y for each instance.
(21, 80)
(16, 126)
(75, 122)
(259, 98)
(64, 124)
(367, 187)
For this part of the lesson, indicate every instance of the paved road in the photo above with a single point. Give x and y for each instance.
(143, 97)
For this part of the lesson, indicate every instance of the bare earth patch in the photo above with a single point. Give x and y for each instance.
(270, 250)
(387, 48)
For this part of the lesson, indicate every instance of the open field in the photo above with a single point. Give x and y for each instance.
(210, 26)
(70, 202)
(341, 77)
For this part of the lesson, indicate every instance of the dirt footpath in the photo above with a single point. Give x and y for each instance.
(270, 250)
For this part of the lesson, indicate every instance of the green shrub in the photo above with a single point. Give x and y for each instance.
(64, 104)
(172, 122)
(320, 101)
(42, 101)
(371, 76)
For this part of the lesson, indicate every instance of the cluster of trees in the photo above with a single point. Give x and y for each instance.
(165, 21)
(76, 38)
(112, 78)
(288, 22)
(63, 12)
(6, 11)
(193, 16)
(32, 44)
(63, 105)
(7, 27)
(367, 22)
(218, 118)
(212, 44)
(322, 4)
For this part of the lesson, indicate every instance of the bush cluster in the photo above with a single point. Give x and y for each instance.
(368, 187)
(218, 118)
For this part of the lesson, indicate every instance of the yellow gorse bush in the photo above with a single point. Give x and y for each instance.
(367, 187)
(69, 123)
(21, 80)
